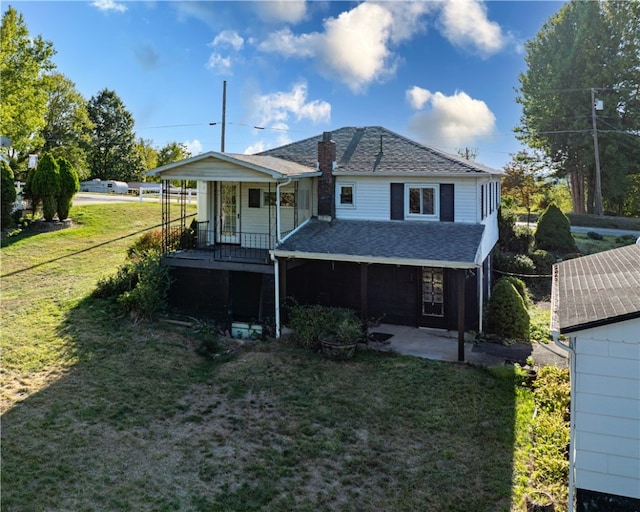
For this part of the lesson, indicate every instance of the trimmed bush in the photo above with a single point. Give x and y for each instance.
(543, 260)
(514, 263)
(522, 240)
(521, 287)
(8, 195)
(45, 184)
(507, 315)
(69, 185)
(554, 232)
(594, 235)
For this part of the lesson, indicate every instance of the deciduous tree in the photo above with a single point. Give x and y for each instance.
(24, 64)
(67, 130)
(112, 154)
(585, 46)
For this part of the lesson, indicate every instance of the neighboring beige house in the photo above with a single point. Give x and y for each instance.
(596, 306)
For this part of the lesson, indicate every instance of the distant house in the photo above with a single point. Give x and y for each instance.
(359, 217)
(596, 305)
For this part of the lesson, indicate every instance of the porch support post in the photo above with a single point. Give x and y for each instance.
(364, 303)
(461, 300)
(282, 281)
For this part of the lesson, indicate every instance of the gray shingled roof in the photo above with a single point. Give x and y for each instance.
(376, 150)
(598, 289)
(450, 244)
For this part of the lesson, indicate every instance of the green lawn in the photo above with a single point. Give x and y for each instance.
(101, 413)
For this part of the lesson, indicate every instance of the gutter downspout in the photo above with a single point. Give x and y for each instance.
(276, 266)
(572, 411)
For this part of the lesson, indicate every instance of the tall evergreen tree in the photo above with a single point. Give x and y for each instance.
(8, 194)
(113, 154)
(24, 64)
(585, 46)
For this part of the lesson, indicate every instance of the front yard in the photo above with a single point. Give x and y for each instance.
(101, 413)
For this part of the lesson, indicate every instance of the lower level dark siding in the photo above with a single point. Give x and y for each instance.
(222, 295)
(593, 501)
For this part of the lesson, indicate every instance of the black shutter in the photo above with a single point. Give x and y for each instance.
(446, 202)
(397, 201)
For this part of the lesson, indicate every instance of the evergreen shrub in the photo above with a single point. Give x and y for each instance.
(45, 184)
(543, 260)
(554, 232)
(69, 185)
(507, 314)
(7, 195)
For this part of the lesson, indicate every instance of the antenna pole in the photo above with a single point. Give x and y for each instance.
(224, 114)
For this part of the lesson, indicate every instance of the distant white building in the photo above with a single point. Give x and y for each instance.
(596, 305)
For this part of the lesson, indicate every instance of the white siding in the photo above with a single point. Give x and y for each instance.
(214, 170)
(607, 409)
(373, 197)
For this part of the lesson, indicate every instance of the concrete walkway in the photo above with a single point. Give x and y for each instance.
(442, 345)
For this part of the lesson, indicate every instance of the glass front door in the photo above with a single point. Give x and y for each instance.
(432, 292)
(229, 212)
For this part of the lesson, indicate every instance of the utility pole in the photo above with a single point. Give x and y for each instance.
(224, 114)
(598, 192)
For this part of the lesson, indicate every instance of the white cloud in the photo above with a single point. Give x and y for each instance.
(286, 11)
(288, 44)
(193, 146)
(417, 97)
(356, 47)
(455, 120)
(109, 5)
(465, 24)
(219, 64)
(256, 147)
(228, 38)
(278, 107)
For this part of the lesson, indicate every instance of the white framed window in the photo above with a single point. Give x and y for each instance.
(286, 198)
(346, 195)
(422, 201)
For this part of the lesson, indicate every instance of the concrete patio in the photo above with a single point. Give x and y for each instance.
(442, 345)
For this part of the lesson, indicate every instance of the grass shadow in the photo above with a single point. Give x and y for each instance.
(141, 422)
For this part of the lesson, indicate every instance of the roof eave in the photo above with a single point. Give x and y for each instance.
(416, 174)
(598, 323)
(411, 262)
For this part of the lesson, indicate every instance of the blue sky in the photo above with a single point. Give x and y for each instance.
(441, 73)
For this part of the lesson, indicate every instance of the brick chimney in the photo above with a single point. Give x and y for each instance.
(326, 182)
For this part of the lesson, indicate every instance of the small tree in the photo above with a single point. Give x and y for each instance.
(69, 185)
(46, 185)
(507, 315)
(554, 232)
(8, 194)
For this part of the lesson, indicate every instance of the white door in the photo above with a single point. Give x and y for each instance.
(229, 212)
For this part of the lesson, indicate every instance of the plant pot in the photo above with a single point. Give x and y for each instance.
(540, 501)
(338, 350)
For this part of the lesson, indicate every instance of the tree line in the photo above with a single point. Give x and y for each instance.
(586, 51)
(41, 112)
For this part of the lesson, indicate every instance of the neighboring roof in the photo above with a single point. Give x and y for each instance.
(271, 165)
(595, 290)
(377, 151)
(445, 244)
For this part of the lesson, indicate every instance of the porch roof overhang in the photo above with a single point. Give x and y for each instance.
(411, 243)
(216, 166)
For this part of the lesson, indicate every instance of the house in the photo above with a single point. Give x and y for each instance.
(596, 305)
(359, 217)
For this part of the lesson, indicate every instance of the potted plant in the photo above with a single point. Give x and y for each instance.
(341, 334)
